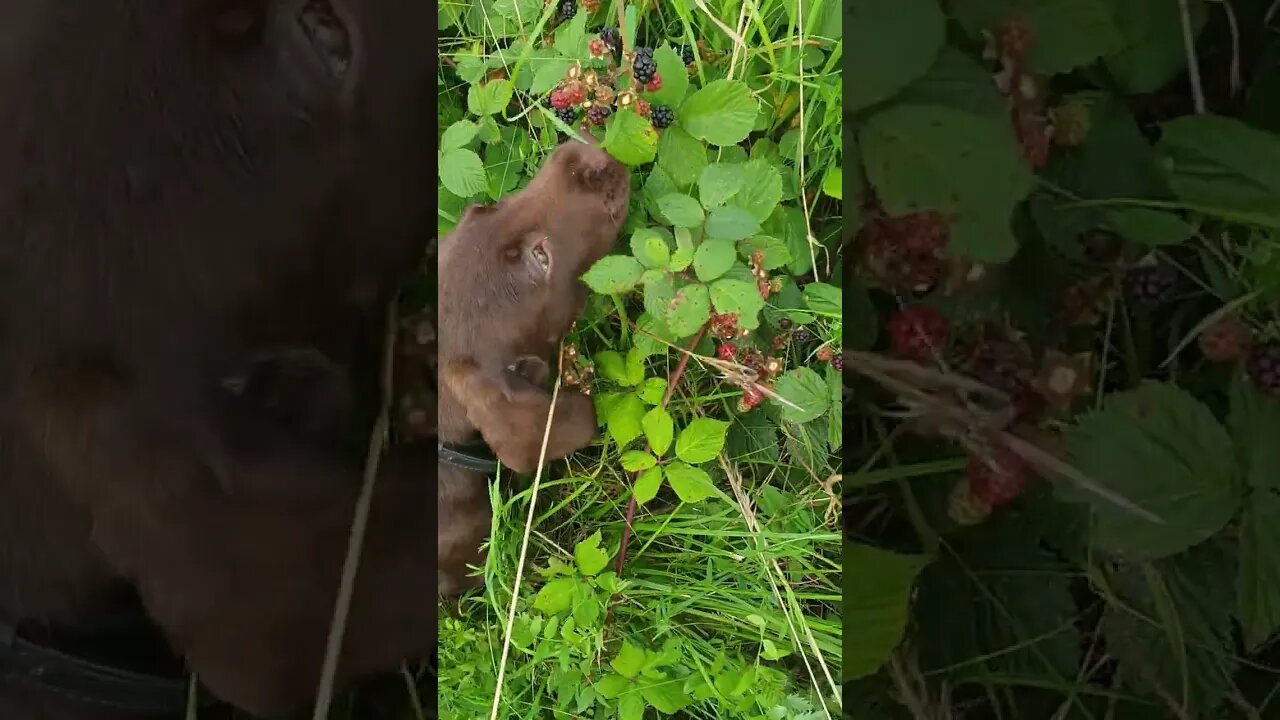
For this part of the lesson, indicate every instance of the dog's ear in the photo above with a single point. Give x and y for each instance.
(511, 413)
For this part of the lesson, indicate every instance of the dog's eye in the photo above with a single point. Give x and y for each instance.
(541, 255)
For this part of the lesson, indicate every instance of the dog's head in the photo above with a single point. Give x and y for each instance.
(509, 272)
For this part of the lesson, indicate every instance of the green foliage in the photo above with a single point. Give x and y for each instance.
(728, 602)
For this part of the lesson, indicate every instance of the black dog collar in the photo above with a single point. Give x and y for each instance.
(475, 457)
(82, 681)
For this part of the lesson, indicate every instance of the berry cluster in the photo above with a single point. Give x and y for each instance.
(1031, 125)
(576, 372)
(596, 91)
(904, 253)
(1263, 367)
(1150, 284)
(686, 54)
(990, 481)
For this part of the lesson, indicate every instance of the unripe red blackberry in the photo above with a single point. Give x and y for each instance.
(999, 478)
(727, 351)
(1227, 340)
(918, 332)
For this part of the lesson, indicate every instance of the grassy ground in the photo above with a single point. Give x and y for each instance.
(725, 601)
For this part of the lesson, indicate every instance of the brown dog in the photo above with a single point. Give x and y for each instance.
(204, 205)
(509, 291)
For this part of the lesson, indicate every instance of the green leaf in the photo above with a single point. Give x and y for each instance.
(1255, 424)
(739, 297)
(833, 182)
(675, 81)
(1153, 53)
(731, 223)
(877, 593)
(629, 660)
(1224, 167)
(722, 113)
(556, 596)
(612, 685)
(936, 158)
(589, 556)
(713, 258)
(1258, 579)
(681, 210)
(611, 366)
(631, 706)
(462, 172)
(701, 441)
(490, 98)
(1170, 628)
(650, 249)
(647, 485)
(805, 389)
(688, 309)
(1071, 33)
(571, 37)
(547, 74)
(658, 429)
(1151, 228)
(614, 274)
(776, 252)
(637, 460)
(719, 182)
(659, 291)
(761, 189)
(1160, 448)
(909, 31)
(458, 135)
(823, 299)
(681, 155)
(665, 695)
(631, 139)
(652, 390)
(624, 419)
(691, 484)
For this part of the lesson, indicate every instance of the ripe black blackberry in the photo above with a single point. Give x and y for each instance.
(597, 114)
(644, 68)
(568, 8)
(567, 115)
(1150, 285)
(662, 116)
(1263, 367)
(612, 38)
(686, 54)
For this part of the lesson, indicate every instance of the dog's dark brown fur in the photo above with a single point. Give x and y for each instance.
(502, 314)
(184, 191)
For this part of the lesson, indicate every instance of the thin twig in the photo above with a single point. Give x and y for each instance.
(1193, 64)
(355, 540)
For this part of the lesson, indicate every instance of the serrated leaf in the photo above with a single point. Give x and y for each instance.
(652, 390)
(1170, 629)
(1152, 54)
(681, 155)
(630, 139)
(681, 210)
(665, 695)
(833, 182)
(1258, 579)
(629, 660)
(650, 249)
(547, 74)
(589, 556)
(719, 182)
(1152, 228)
(571, 37)
(612, 685)
(739, 297)
(877, 592)
(659, 291)
(713, 258)
(462, 172)
(731, 223)
(1224, 167)
(909, 31)
(675, 81)
(1071, 33)
(1160, 448)
(776, 252)
(458, 135)
(637, 460)
(806, 393)
(688, 309)
(823, 299)
(691, 484)
(701, 441)
(722, 113)
(556, 596)
(631, 706)
(658, 429)
(490, 98)
(1255, 424)
(761, 189)
(611, 366)
(614, 274)
(647, 485)
(624, 419)
(936, 158)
